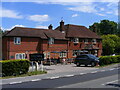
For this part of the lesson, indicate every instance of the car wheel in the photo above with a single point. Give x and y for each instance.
(78, 64)
(92, 64)
(86, 65)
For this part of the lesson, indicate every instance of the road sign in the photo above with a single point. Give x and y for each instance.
(36, 57)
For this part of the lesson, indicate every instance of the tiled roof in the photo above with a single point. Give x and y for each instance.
(78, 31)
(32, 32)
(70, 31)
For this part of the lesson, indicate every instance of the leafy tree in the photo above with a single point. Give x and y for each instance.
(104, 27)
(111, 44)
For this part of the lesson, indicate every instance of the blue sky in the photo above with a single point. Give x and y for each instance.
(41, 14)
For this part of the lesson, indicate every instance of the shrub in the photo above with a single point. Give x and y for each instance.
(14, 67)
(105, 60)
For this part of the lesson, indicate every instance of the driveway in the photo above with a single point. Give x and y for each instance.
(66, 68)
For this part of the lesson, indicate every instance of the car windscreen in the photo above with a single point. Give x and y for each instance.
(92, 56)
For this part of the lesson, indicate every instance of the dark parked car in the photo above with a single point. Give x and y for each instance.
(86, 59)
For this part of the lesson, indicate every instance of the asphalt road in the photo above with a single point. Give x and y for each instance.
(99, 79)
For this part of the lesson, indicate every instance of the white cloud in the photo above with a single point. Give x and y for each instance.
(8, 29)
(87, 9)
(116, 12)
(53, 1)
(42, 27)
(74, 15)
(102, 9)
(10, 14)
(100, 14)
(84, 7)
(39, 18)
(109, 12)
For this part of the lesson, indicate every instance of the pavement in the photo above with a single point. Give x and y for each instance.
(56, 71)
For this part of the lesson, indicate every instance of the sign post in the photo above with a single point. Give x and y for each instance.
(41, 65)
(32, 66)
(37, 57)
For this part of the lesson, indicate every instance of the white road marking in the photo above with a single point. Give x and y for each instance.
(15, 82)
(82, 73)
(110, 82)
(68, 75)
(36, 80)
(111, 69)
(94, 72)
(54, 77)
(102, 70)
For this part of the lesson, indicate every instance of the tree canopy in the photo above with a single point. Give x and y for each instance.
(105, 27)
(111, 44)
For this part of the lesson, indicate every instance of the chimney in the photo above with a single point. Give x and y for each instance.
(62, 25)
(50, 26)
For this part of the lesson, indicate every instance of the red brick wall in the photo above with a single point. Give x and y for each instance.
(36, 45)
(30, 45)
(27, 44)
(80, 46)
(5, 47)
(59, 45)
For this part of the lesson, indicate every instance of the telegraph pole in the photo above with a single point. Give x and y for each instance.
(0, 44)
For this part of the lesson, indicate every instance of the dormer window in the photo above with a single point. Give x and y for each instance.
(51, 41)
(94, 41)
(75, 40)
(17, 40)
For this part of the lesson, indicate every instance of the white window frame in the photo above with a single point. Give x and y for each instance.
(94, 41)
(51, 40)
(75, 51)
(63, 54)
(86, 41)
(96, 52)
(48, 54)
(17, 40)
(45, 55)
(20, 56)
(75, 40)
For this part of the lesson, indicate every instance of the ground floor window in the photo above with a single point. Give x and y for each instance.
(63, 54)
(96, 52)
(45, 55)
(75, 52)
(20, 56)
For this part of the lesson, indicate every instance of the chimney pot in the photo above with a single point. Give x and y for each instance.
(50, 26)
(62, 25)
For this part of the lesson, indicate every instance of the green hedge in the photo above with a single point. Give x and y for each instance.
(14, 67)
(105, 60)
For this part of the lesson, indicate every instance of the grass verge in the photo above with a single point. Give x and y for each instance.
(27, 74)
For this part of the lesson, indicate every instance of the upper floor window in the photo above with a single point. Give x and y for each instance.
(17, 40)
(94, 41)
(51, 41)
(86, 41)
(75, 40)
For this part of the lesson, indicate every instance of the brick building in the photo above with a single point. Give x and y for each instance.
(66, 41)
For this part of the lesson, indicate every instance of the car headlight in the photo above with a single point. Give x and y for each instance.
(97, 60)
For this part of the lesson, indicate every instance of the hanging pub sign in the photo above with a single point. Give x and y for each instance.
(36, 57)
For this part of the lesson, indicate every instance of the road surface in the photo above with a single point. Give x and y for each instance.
(100, 78)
